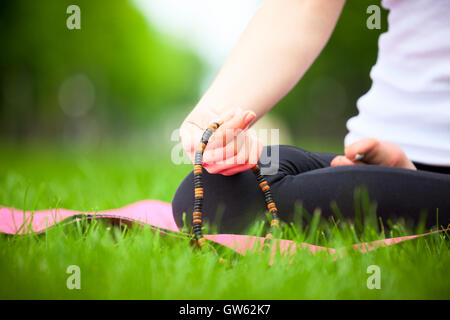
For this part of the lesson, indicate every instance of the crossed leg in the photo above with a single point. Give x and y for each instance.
(306, 178)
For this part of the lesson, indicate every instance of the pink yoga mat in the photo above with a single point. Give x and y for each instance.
(158, 214)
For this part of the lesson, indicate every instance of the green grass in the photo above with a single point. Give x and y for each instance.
(138, 263)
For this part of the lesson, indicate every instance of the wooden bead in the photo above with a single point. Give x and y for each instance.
(271, 205)
(197, 214)
(197, 168)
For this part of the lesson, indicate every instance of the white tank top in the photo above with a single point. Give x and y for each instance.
(409, 101)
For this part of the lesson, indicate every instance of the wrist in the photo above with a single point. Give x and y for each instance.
(202, 117)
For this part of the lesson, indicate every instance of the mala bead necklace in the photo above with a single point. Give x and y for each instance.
(197, 221)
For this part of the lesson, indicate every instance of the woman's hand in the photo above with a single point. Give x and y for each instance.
(278, 46)
(372, 151)
(193, 126)
(231, 149)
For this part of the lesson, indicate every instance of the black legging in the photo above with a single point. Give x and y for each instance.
(306, 178)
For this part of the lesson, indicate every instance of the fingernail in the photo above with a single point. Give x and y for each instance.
(358, 157)
(249, 116)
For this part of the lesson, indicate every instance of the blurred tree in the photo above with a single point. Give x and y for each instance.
(116, 68)
(120, 72)
(325, 98)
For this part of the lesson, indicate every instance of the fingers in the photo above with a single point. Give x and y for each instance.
(216, 153)
(239, 121)
(372, 151)
(236, 152)
(364, 147)
(341, 161)
(251, 159)
(191, 131)
(246, 157)
(231, 149)
(190, 136)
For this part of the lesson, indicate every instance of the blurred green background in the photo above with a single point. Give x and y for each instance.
(121, 77)
(86, 123)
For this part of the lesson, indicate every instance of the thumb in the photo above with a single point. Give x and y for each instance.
(233, 127)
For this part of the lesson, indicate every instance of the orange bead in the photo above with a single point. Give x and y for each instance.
(197, 215)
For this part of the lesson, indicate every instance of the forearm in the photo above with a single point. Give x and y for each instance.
(278, 46)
